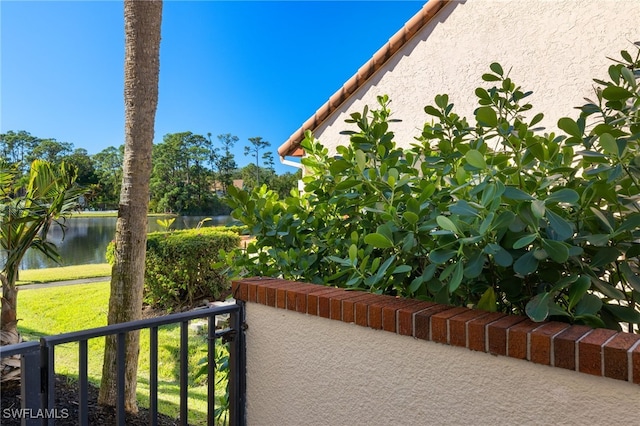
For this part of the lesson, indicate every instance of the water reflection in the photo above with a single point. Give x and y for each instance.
(84, 240)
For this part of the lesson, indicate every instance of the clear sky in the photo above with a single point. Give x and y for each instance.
(247, 68)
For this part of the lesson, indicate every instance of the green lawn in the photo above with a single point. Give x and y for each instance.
(114, 213)
(63, 309)
(63, 273)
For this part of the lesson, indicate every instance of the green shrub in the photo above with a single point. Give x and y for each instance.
(180, 265)
(111, 253)
(240, 230)
(492, 214)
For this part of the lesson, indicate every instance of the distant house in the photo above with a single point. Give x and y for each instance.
(552, 47)
(218, 188)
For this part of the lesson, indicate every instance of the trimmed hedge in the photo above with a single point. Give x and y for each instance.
(179, 266)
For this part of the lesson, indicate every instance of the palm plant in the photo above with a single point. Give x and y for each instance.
(26, 215)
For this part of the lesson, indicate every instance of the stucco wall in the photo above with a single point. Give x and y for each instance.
(308, 370)
(553, 47)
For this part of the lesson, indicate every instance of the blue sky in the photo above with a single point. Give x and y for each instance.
(246, 68)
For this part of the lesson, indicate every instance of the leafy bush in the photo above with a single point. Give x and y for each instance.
(240, 230)
(493, 215)
(181, 266)
(110, 255)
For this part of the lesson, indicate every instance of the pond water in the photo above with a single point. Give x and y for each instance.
(85, 239)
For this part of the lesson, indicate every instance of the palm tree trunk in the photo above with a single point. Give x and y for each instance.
(10, 366)
(8, 322)
(142, 46)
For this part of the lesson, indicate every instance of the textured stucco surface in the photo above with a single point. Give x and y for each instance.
(307, 370)
(553, 47)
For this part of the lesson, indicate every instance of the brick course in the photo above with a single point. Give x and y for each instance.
(590, 351)
(542, 341)
(518, 339)
(616, 358)
(599, 352)
(497, 334)
(458, 326)
(477, 335)
(407, 317)
(565, 344)
(440, 324)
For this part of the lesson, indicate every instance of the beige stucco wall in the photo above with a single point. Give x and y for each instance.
(553, 47)
(308, 370)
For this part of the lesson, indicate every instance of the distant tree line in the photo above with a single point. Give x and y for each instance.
(190, 174)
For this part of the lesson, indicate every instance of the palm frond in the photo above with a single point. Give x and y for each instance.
(51, 193)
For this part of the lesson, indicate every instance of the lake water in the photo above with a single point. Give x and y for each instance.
(86, 239)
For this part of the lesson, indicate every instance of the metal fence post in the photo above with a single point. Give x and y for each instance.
(47, 379)
(30, 384)
(237, 368)
(30, 381)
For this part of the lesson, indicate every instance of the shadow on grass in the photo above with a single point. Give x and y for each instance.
(30, 335)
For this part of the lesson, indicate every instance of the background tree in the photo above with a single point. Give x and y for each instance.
(142, 55)
(180, 182)
(257, 145)
(108, 167)
(169, 176)
(284, 183)
(200, 176)
(267, 161)
(223, 161)
(50, 150)
(248, 176)
(85, 166)
(87, 177)
(24, 223)
(16, 146)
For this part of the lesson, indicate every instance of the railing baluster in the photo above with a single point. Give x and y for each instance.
(120, 384)
(211, 370)
(30, 384)
(83, 415)
(153, 376)
(49, 396)
(237, 369)
(38, 360)
(233, 386)
(184, 372)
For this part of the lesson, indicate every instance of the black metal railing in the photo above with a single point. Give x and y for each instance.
(38, 366)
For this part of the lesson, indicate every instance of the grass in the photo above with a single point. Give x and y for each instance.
(113, 213)
(64, 309)
(63, 273)
(87, 213)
